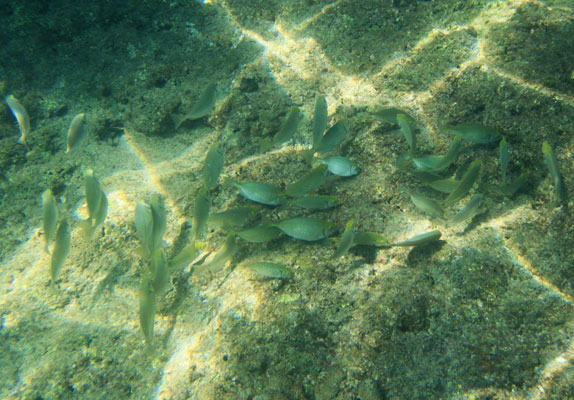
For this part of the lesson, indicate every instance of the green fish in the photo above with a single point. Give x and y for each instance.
(201, 108)
(232, 218)
(334, 136)
(438, 163)
(97, 203)
(319, 122)
(370, 239)
(346, 240)
(213, 165)
(200, 213)
(511, 189)
(466, 183)
(260, 234)
(309, 182)
(184, 257)
(222, 256)
(340, 166)
(504, 159)
(309, 229)
(404, 123)
(160, 273)
(159, 221)
(144, 227)
(469, 210)
(76, 132)
(147, 299)
(429, 206)
(258, 192)
(420, 240)
(271, 270)
(289, 127)
(50, 217)
(61, 249)
(476, 133)
(390, 115)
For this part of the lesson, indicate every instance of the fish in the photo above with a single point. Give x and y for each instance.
(346, 240)
(202, 107)
(220, 258)
(213, 165)
(232, 218)
(309, 182)
(476, 133)
(147, 300)
(61, 249)
(320, 118)
(510, 190)
(21, 115)
(428, 205)
(303, 228)
(340, 166)
(390, 115)
(144, 227)
(160, 273)
(200, 213)
(446, 185)
(97, 203)
(370, 239)
(76, 132)
(184, 257)
(260, 234)
(50, 217)
(560, 193)
(289, 127)
(438, 163)
(420, 240)
(334, 136)
(405, 125)
(469, 210)
(159, 221)
(466, 183)
(258, 192)
(270, 269)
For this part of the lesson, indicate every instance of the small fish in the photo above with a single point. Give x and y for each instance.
(61, 249)
(469, 210)
(160, 273)
(346, 240)
(438, 163)
(200, 213)
(97, 202)
(476, 133)
(320, 118)
(340, 166)
(184, 257)
(444, 185)
(308, 229)
(504, 159)
(404, 123)
(270, 270)
(50, 217)
(201, 108)
(428, 205)
(317, 202)
(560, 193)
(159, 221)
(213, 165)
(511, 189)
(21, 116)
(390, 115)
(220, 258)
(420, 240)
(258, 192)
(260, 234)
(370, 239)
(147, 309)
(289, 127)
(76, 132)
(232, 218)
(466, 183)
(144, 227)
(334, 136)
(309, 182)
